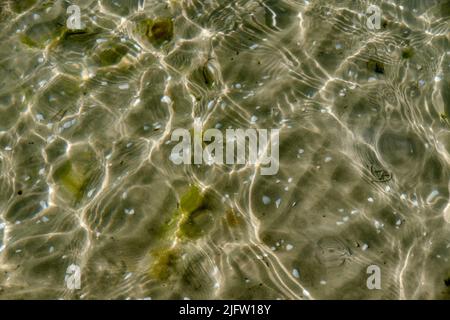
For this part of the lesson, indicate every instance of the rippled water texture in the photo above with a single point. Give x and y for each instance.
(85, 123)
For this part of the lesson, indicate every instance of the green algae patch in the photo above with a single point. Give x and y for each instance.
(192, 200)
(73, 176)
(407, 53)
(191, 220)
(161, 30)
(196, 218)
(41, 35)
(28, 41)
(164, 264)
(111, 55)
(196, 224)
(444, 118)
(157, 31)
(169, 228)
(72, 180)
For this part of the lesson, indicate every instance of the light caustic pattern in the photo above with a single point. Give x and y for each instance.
(87, 185)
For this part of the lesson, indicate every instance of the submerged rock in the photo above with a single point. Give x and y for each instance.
(191, 220)
(196, 218)
(192, 200)
(407, 53)
(164, 264)
(73, 176)
(112, 54)
(72, 180)
(195, 224)
(157, 31)
(375, 66)
(41, 35)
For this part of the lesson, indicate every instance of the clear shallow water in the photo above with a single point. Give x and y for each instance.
(85, 124)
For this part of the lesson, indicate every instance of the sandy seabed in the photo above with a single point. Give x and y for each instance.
(87, 188)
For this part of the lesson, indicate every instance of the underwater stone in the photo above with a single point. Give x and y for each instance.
(41, 35)
(157, 30)
(196, 224)
(407, 53)
(71, 179)
(161, 30)
(375, 66)
(73, 175)
(165, 262)
(111, 55)
(191, 219)
(191, 200)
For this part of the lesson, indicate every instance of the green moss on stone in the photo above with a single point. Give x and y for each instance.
(41, 35)
(73, 176)
(26, 40)
(191, 219)
(191, 200)
(111, 55)
(407, 53)
(158, 31)
(195, 225)
(444, 118)
(71, 179)
(164, 263)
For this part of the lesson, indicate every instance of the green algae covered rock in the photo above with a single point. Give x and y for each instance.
(164, 264)
(192, 218)
(196, 224)
(161, 30)
(444, 118)
(157, 31)
(73, 176)
(195, 218)
(192, 200)
(407, 53)
(181, 219)
(72, 180)
(41, 35)
(111, 54)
